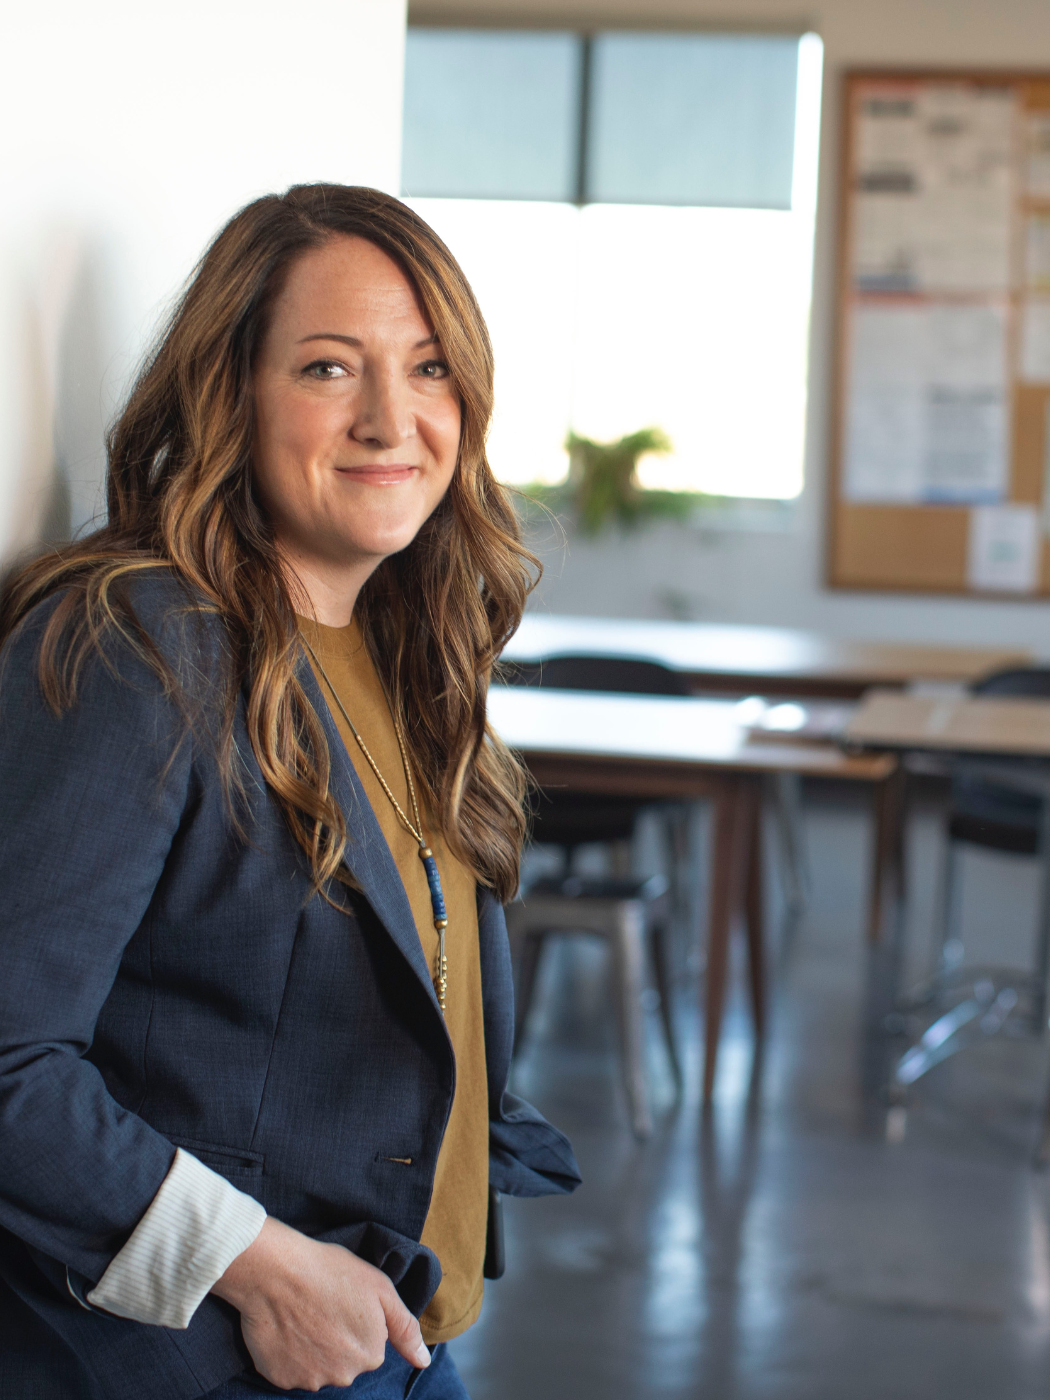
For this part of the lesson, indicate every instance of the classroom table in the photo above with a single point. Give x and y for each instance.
(1000, 726)
(669, 748)
(1001, 740)
(768, 660)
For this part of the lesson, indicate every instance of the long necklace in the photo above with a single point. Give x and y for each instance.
(426, 855)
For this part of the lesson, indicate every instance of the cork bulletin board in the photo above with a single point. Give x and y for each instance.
(940, 476)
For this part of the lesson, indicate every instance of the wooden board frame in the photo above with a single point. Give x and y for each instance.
(923, 548)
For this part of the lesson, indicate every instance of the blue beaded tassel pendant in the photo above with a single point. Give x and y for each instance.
(437, 903)
(426, 855)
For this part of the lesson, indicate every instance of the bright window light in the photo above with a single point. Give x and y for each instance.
(610, 318)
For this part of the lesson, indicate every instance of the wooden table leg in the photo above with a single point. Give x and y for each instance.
(729, 869)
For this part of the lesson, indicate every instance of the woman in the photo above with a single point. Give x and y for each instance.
(255, 1019)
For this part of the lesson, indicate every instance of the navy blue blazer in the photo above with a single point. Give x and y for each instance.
(166, 981)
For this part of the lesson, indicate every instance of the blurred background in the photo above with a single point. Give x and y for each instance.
(768, 292)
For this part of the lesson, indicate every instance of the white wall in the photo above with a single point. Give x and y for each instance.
(129, 131)
(776, 577)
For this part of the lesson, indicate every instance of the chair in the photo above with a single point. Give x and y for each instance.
(1017, 822)
(990, 814)
(633, 914)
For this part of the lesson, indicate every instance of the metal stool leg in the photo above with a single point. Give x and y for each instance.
(787, 808)
(528, 965)
(1042, 1155)
(1042, 960)
(676, 820)
(629, 963)
(755, 915)
(661, 949)
(949, 950)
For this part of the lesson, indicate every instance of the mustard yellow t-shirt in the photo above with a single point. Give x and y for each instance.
(456, 1222)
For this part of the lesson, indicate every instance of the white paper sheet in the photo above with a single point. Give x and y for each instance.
(927, 413)
(1005, 549)
(933, 206)
(1035, 340)
(1038, 165)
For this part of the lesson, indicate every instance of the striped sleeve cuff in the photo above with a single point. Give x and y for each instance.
(192, 1231)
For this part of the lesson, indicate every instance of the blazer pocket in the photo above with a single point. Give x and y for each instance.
(228, 1161)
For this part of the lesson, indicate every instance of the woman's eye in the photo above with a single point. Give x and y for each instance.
(433, 369)
(325, 370)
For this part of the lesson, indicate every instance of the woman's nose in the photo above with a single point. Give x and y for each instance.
(383, 411)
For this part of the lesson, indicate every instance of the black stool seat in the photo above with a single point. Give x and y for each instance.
(986, 813)
(602, 887)
(622, 675)
(977, 830)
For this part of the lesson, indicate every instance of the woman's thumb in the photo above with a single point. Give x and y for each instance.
(403, 1331)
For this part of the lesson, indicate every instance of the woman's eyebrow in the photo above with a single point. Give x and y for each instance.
(331, 335)
(353, 340)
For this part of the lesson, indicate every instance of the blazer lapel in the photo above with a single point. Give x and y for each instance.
(367, 854)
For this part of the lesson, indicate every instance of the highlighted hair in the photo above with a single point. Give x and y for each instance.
(181, 497)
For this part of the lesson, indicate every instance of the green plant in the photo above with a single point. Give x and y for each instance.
(602, 486)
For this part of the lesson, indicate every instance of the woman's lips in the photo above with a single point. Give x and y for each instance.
(374, 475)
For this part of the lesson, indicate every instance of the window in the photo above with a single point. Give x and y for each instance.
(635, 212)
(691, 119)
(491, 116)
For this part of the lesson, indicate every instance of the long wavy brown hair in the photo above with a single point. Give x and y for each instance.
(181, 497)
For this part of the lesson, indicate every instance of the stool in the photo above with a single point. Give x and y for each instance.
(629, 913)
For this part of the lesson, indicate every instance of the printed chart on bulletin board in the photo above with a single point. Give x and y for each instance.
(941, 470)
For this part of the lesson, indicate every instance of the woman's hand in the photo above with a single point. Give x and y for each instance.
(314, 1314)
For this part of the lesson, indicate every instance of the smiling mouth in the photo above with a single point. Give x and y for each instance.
(374, 475)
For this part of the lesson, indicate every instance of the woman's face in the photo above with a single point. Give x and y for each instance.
(357, 421)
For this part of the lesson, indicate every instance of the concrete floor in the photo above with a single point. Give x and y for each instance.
(780, 1247)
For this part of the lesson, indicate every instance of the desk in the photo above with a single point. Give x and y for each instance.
(661, 748)
(993, 725)
(769, 660)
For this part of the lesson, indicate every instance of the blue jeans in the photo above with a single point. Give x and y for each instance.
(393, 1381)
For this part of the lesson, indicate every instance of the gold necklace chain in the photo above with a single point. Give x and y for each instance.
(416, 832)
